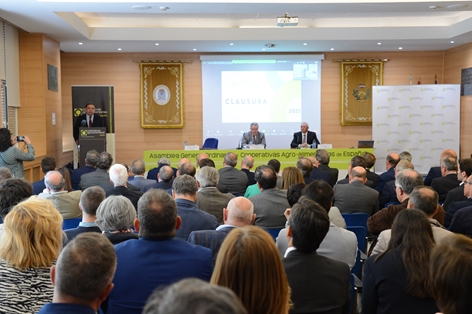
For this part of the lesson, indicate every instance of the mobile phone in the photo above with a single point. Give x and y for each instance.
(20, 138)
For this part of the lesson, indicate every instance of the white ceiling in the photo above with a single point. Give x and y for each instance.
(244, 26)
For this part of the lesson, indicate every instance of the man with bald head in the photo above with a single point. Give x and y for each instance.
(164, 179)
(435, 172)
(246, 165)
(356, 197)
(234, 179)
(388, 194)
(67, 203)
(238, 213)
(390, 163)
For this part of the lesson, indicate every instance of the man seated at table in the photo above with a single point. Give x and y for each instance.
(305, 138)
(253, 136)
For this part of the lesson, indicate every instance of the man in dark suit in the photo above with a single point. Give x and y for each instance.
(455, 206)
(119, 176)
(457, 194)
(246, 165)
(448, 181)
(369, 163)
(100, 176)
(90, 199)
(238, 213)
(234, 179)
(318, 174)
(88, 119)
(138, 168)
(253, 136)
(435, 172)
(184, 191)
(209, 199)
(322, 157)
(164, 179)
(390, 163)
(91, 160)
(305, 138)
(47, 164)
(152, 174)
(317, 282)
(157, 258)
(389, 194)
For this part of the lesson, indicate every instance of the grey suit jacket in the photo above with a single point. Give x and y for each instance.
(99, 177)
(247, 138)
(234, 179)
(269, 207)
(355, 197)
(212, 201)
(66, 203)
(141, 182)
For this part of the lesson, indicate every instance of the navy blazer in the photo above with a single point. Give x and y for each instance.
(133, 196)
(311, 139)
(453, 207)
(77, 174)
(388, 194)
(434, 172)
(38, 187)
(193, 219)
(321, 175)
(462, 222)
(211, 239)
(385, 177)
(145, 264)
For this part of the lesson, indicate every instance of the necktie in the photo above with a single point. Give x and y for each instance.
(90, 122)
(254, 139)
(304, 138)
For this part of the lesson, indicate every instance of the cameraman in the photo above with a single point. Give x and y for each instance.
(10, 156)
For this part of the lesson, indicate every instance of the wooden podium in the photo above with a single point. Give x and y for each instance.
(90, 139)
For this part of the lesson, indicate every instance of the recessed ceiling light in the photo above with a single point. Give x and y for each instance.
(452, 41)
(400, 48)
(157, 44)
(231, 44)
(332, 48)
(119, 49)
(141, 7)
(379, 44)
(194, 49)
(81, 43)
(304, 44)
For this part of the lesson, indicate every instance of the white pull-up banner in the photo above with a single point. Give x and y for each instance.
(421, 119)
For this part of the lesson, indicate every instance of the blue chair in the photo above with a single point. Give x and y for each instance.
(391, 203)
(360, 233)
(71, 223)
(210, 143)
(356, 219)
(274, 232)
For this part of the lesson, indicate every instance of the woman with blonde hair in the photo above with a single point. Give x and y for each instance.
(291, 175)
(249, 264)
(30, 245)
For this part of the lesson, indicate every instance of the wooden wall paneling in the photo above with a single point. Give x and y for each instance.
(455, 60)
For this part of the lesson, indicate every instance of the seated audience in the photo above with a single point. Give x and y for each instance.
(48, 163)
(115, 217)
(306, 168)
(398, 280)
(164, 179)
(138, 169)
(405, 156)
(67, 181)
(152, 174)
(318, 174)
(89, 201)
(82, 276)
(100, 176)
(425, 199)
(435, 172)
(462, 221)
(339, 243)
(389, 192)
(276, 165)
(248, 264)
(454, 207)
(405, 182)
(322, 157)
(448, 181)
(31, 244)
(246, 165)
(238, 213)
(184, 191)
(463, 173)
(194, 296)
(156, 258)
(370, 160)
(119, 178)
(358, 161)
(12, 191)
(291, 175)
(210, 163)
(67, 203)
(91, 160)
(390, 163)
(235, 180)
(270, 205)
(356, 197)
(209, 199)
(319, 284)
(451, 271)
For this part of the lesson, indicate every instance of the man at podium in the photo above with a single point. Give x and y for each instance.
(88, 119)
